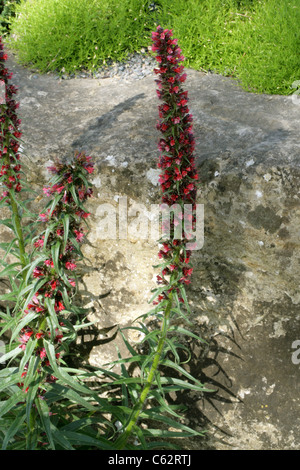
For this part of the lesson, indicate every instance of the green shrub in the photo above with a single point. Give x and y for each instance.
(78, 34)
(7, 11)
(256, 41)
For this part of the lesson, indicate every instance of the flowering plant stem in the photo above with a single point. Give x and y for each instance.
(9, 147)
(18, 228)
(19, 233)
(178, 186)
(122, 440)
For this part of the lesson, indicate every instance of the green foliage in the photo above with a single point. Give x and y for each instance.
(70, 35)
(7, 12)
(256, 42)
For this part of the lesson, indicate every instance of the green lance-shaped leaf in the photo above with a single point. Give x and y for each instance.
(14, 428)
(185, 332)
(29, 350)
(30, 397)
(55, 251)
(49, 303)
(10, 355)
(23, 322)
(44, 412)
(7, 405)
(61, 374)
(66, 225)
(33, 265)
(7, 247)
(10, 269)
(9, 381)
(180, 370)
(30, 377)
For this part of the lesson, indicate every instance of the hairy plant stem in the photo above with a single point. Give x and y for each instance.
(16, 219)
(122, 440)
(17, 223)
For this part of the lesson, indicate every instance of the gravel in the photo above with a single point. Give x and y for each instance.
(136, 67)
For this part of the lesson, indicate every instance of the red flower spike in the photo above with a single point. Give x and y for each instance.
(66, 175)
(9, 128)
(177, 145)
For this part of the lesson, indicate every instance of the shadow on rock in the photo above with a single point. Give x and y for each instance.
(104, 123)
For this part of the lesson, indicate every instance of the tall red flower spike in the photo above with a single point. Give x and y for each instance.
(72, 194)
(179, 175)
(9, 130)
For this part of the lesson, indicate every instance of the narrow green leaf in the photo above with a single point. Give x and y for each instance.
(129, 347)
(178, 309)
(55, 250)
(125, 397)
(14, 428)
(186, 332)
(33, 265)
(169, 421)
(48, 231)
(138, 358)
(7, 405)
(9, 381)
(30, 377)
(126, 380)
(8, 371)
(30, 347)
(183, 293)
(3, 201)
(32, 289)
(10, 323)
(7, 223)
(61, 374)
(75, 397)
(140, 435)
(10, 354)
(157, 292)
(54, 203)
(172, 384)
(11, 296)
(32, 439)
(66, 224)
(22, 205)
(60, 438)
(30, 397)
(85, 181)
(164, 444)
(7, 246)
(150, 313)
(169, 434)
(44, 413)
(10, 269)
(153, 335)
(25, 321)
(50, 306)
(164, 406)
(79, 439)
(74, 195)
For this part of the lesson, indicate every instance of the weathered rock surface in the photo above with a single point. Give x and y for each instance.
(245, 291)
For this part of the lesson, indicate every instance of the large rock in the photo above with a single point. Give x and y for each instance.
(245, 290)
